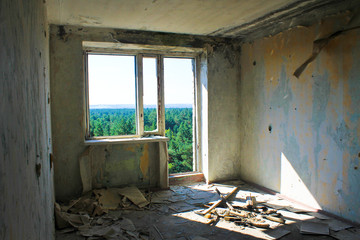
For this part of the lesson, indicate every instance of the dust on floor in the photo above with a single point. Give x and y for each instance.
(178, 213)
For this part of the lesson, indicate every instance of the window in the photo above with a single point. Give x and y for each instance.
(179, 111)
(112, 95)
(125, 89)
(150, 93)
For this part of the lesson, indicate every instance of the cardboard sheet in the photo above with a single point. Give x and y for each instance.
(295, 216)
(276, 233)
(314, 228)
(116, 230)
(345, 235)
(108, 198)
(64, 219)
(319, 215)
(134, 195)
(336, 225)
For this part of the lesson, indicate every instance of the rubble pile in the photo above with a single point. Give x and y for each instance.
(248, 214)
(89, 215)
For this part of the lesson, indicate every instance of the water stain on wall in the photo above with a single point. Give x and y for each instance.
(144, 161)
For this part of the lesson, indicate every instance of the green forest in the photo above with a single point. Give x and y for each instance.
(178, 124)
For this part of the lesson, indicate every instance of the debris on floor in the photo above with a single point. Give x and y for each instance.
(277, 233)
(319, 215)
(246, 214)
(336, 225)
(350, 234)
(88, 214)
(233, 210)
(314, 228)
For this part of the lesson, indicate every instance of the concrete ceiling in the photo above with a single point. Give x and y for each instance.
(224, 18)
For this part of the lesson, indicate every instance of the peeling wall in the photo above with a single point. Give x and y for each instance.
(133, 162)
(124, 164)
(301, 136)
(223, 104)
(26, 184)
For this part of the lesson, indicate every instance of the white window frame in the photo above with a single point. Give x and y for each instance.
(141, 51)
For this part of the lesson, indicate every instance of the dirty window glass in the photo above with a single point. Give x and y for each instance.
(150, 98)
(112, 97)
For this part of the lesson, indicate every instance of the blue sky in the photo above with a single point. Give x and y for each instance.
(112, 80)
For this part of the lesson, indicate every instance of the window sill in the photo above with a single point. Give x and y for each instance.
(126, 140)
(185, 178)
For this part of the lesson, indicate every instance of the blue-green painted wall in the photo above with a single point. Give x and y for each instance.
(314, 119)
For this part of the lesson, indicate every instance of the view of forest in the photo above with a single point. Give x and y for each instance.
(178, 125)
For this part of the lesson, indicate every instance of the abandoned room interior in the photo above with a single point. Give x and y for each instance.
(272, 146)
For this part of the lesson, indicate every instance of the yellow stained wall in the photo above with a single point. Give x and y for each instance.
(300, 136)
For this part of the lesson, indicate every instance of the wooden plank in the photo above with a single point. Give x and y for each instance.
(218, 202)
(240, 214)
(223, 198)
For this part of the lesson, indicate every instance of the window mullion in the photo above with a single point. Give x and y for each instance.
(161, 95)
(139, 95)
(86, 71)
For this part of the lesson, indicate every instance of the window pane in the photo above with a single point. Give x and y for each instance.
(150, 93)
(112, 99)
(179, 99)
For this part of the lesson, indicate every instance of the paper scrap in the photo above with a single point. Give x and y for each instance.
(336, 225)
(134, 195)
(274, 206)
(110, 230)
(295, 210)
(276, 233)
(64, 219)
(99, 231)
(177, 198)
(182, 207)
(295, 216)
(314, 228)
(88, 205)
(161, 196)
(319, 215)
(345, 235)
(65, 208)
(108, 198)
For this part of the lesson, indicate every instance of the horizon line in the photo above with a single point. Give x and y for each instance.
(130, 106)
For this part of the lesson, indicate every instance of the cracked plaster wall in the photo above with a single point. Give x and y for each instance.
(26, 183)
(301, 136)
(119, 164)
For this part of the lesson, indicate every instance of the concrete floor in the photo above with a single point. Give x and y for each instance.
(171, 216)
